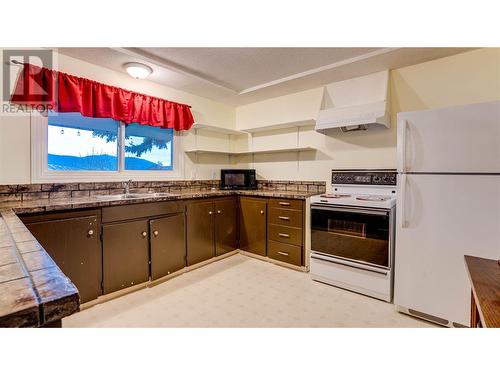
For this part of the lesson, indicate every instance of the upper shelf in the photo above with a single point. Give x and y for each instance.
(284, 125)
(272, 151)
(217, 129)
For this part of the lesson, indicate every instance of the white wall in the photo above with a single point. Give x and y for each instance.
(15, 130)
(300, 106)
(15, 149)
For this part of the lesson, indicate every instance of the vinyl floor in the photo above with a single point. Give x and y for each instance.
(240, 291)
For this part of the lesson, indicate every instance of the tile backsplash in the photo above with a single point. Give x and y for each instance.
(28, 192)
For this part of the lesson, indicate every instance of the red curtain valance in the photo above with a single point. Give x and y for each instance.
(66, 93)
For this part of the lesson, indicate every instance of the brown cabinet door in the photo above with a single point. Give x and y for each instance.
(168, 245)
(200, 231)
(75, 246)
(226, 226)
(253, 214)
(125, 251)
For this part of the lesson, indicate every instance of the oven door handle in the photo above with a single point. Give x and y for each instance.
(382, 212)
(333, 260)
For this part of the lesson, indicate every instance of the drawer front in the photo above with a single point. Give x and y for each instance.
(284, 252)
(290, 235)
(134, 211)
(281, 216)
(293, 204)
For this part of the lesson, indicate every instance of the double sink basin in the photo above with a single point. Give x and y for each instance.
(135, 196)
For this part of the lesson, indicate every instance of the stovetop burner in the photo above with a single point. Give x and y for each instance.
(367, 188)
(374, 198)
(335, 195)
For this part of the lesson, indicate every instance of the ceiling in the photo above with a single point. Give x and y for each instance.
(239, 76)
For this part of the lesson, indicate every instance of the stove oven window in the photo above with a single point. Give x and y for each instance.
(360, 237)
(347, 228)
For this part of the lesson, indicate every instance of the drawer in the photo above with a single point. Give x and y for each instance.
(282, 216)
(294, 204)
(281, 233)
(284, 252)
(135, 211)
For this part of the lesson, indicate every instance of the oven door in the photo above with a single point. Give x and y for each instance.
(361, 235)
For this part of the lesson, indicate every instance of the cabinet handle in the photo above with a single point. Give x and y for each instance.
(284, 235)
(262, 212)
(283, 253)
(155, 233)
(218, 211)
(284, 204)
(144, 234)
(90, 232)
(284, 218)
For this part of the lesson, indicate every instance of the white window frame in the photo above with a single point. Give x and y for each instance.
(41, 174)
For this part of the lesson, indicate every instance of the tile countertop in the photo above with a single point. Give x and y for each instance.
(43, 205)
(33, 290)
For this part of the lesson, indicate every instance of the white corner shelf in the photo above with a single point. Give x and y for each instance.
(271, 151)
(217, 129)
(284, 125)
(205, 151)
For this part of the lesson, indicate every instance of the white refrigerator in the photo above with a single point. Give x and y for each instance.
(448, 205)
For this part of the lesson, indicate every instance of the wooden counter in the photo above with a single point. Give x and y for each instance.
(484, 275)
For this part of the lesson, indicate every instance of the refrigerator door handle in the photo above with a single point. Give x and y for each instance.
(404, 130)
(402, 211)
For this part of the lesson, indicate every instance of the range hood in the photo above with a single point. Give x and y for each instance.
(355, 104)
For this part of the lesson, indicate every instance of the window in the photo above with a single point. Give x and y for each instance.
(148, 148)
(75, 142)
(71, 147)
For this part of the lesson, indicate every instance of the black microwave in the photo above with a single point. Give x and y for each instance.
(238, 179)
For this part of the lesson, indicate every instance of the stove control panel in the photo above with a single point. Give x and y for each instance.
(364, 177)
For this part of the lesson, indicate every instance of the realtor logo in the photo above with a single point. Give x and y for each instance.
(26, 89)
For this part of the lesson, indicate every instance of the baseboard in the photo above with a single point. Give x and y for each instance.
(153, 283)
(273, 261)
(113, 295)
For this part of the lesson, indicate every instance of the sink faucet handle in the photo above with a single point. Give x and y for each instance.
(127, 186)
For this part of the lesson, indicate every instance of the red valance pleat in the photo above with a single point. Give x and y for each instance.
(66, 93)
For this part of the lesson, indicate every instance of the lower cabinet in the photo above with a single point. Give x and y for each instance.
(253, 224)
(125, 251)
(226, 226)
(284, 252)
(105, 250)
(73, 243)
(212, 228)
(285, 231)
(168, 245)
(200, 233)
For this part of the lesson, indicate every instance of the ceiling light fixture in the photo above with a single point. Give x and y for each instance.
(137, 70)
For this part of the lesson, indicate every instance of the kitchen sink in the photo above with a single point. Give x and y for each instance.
(134, 196)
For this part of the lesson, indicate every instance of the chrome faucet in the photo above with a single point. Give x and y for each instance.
(127, 186)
